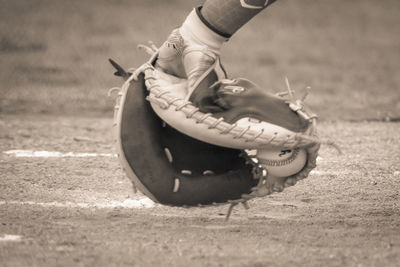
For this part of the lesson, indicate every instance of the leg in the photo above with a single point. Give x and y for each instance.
(227, 16)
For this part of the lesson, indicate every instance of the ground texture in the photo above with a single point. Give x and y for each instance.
(82, 211)
(54, 53)
(64, 200)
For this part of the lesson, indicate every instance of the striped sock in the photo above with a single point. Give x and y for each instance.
(225, 17)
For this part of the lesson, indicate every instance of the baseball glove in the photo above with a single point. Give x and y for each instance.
(227, 142)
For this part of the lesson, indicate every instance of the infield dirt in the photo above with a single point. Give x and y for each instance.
(345, 214)
(79, 210)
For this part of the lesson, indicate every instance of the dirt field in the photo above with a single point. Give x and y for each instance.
(80, 210)
(64, 200)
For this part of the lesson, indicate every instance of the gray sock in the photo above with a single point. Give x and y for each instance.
(225, 17)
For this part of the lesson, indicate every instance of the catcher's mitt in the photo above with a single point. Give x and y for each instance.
(193, 150)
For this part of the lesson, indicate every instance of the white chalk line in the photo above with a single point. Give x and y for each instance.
(27, 153)
(318, 172)
(141, 203)
(10, 238)
(56, 154)
(53, 154)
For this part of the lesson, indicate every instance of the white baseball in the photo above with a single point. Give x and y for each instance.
(282, 163)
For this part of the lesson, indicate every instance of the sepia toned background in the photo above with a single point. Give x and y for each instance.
(65, 200)
(54, 53)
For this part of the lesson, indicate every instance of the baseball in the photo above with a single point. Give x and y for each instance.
(282, 163)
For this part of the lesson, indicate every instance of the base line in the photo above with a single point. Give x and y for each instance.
(141, 203)
(53, 154)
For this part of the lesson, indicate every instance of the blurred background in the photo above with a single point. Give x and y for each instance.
(54, 54)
